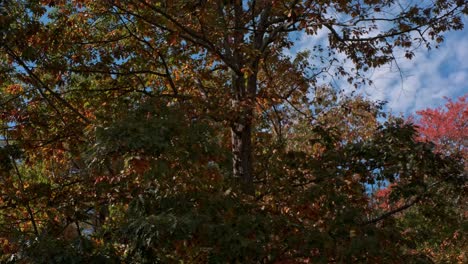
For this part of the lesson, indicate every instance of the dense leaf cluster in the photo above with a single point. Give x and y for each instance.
(137, 131)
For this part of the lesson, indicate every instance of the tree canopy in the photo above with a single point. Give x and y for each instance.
(181, 131)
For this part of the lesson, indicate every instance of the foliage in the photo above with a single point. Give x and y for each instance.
(138, 131)
(446, 128)
(437, 227)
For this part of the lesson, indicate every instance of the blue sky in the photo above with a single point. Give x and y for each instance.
(422, 82)
(427, 78)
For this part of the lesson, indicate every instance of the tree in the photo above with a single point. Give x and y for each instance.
(427, 224)
(162, 174)
(222, 49)
(124, 122)
(446, 128)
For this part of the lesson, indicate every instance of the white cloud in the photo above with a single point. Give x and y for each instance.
(430, 76)
(419, 83)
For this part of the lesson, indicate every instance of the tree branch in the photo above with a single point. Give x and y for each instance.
(44, 86)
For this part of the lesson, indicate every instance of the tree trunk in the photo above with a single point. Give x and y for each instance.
(241, 134)
(244, 90)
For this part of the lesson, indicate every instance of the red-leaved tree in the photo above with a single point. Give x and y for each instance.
(446, 127)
